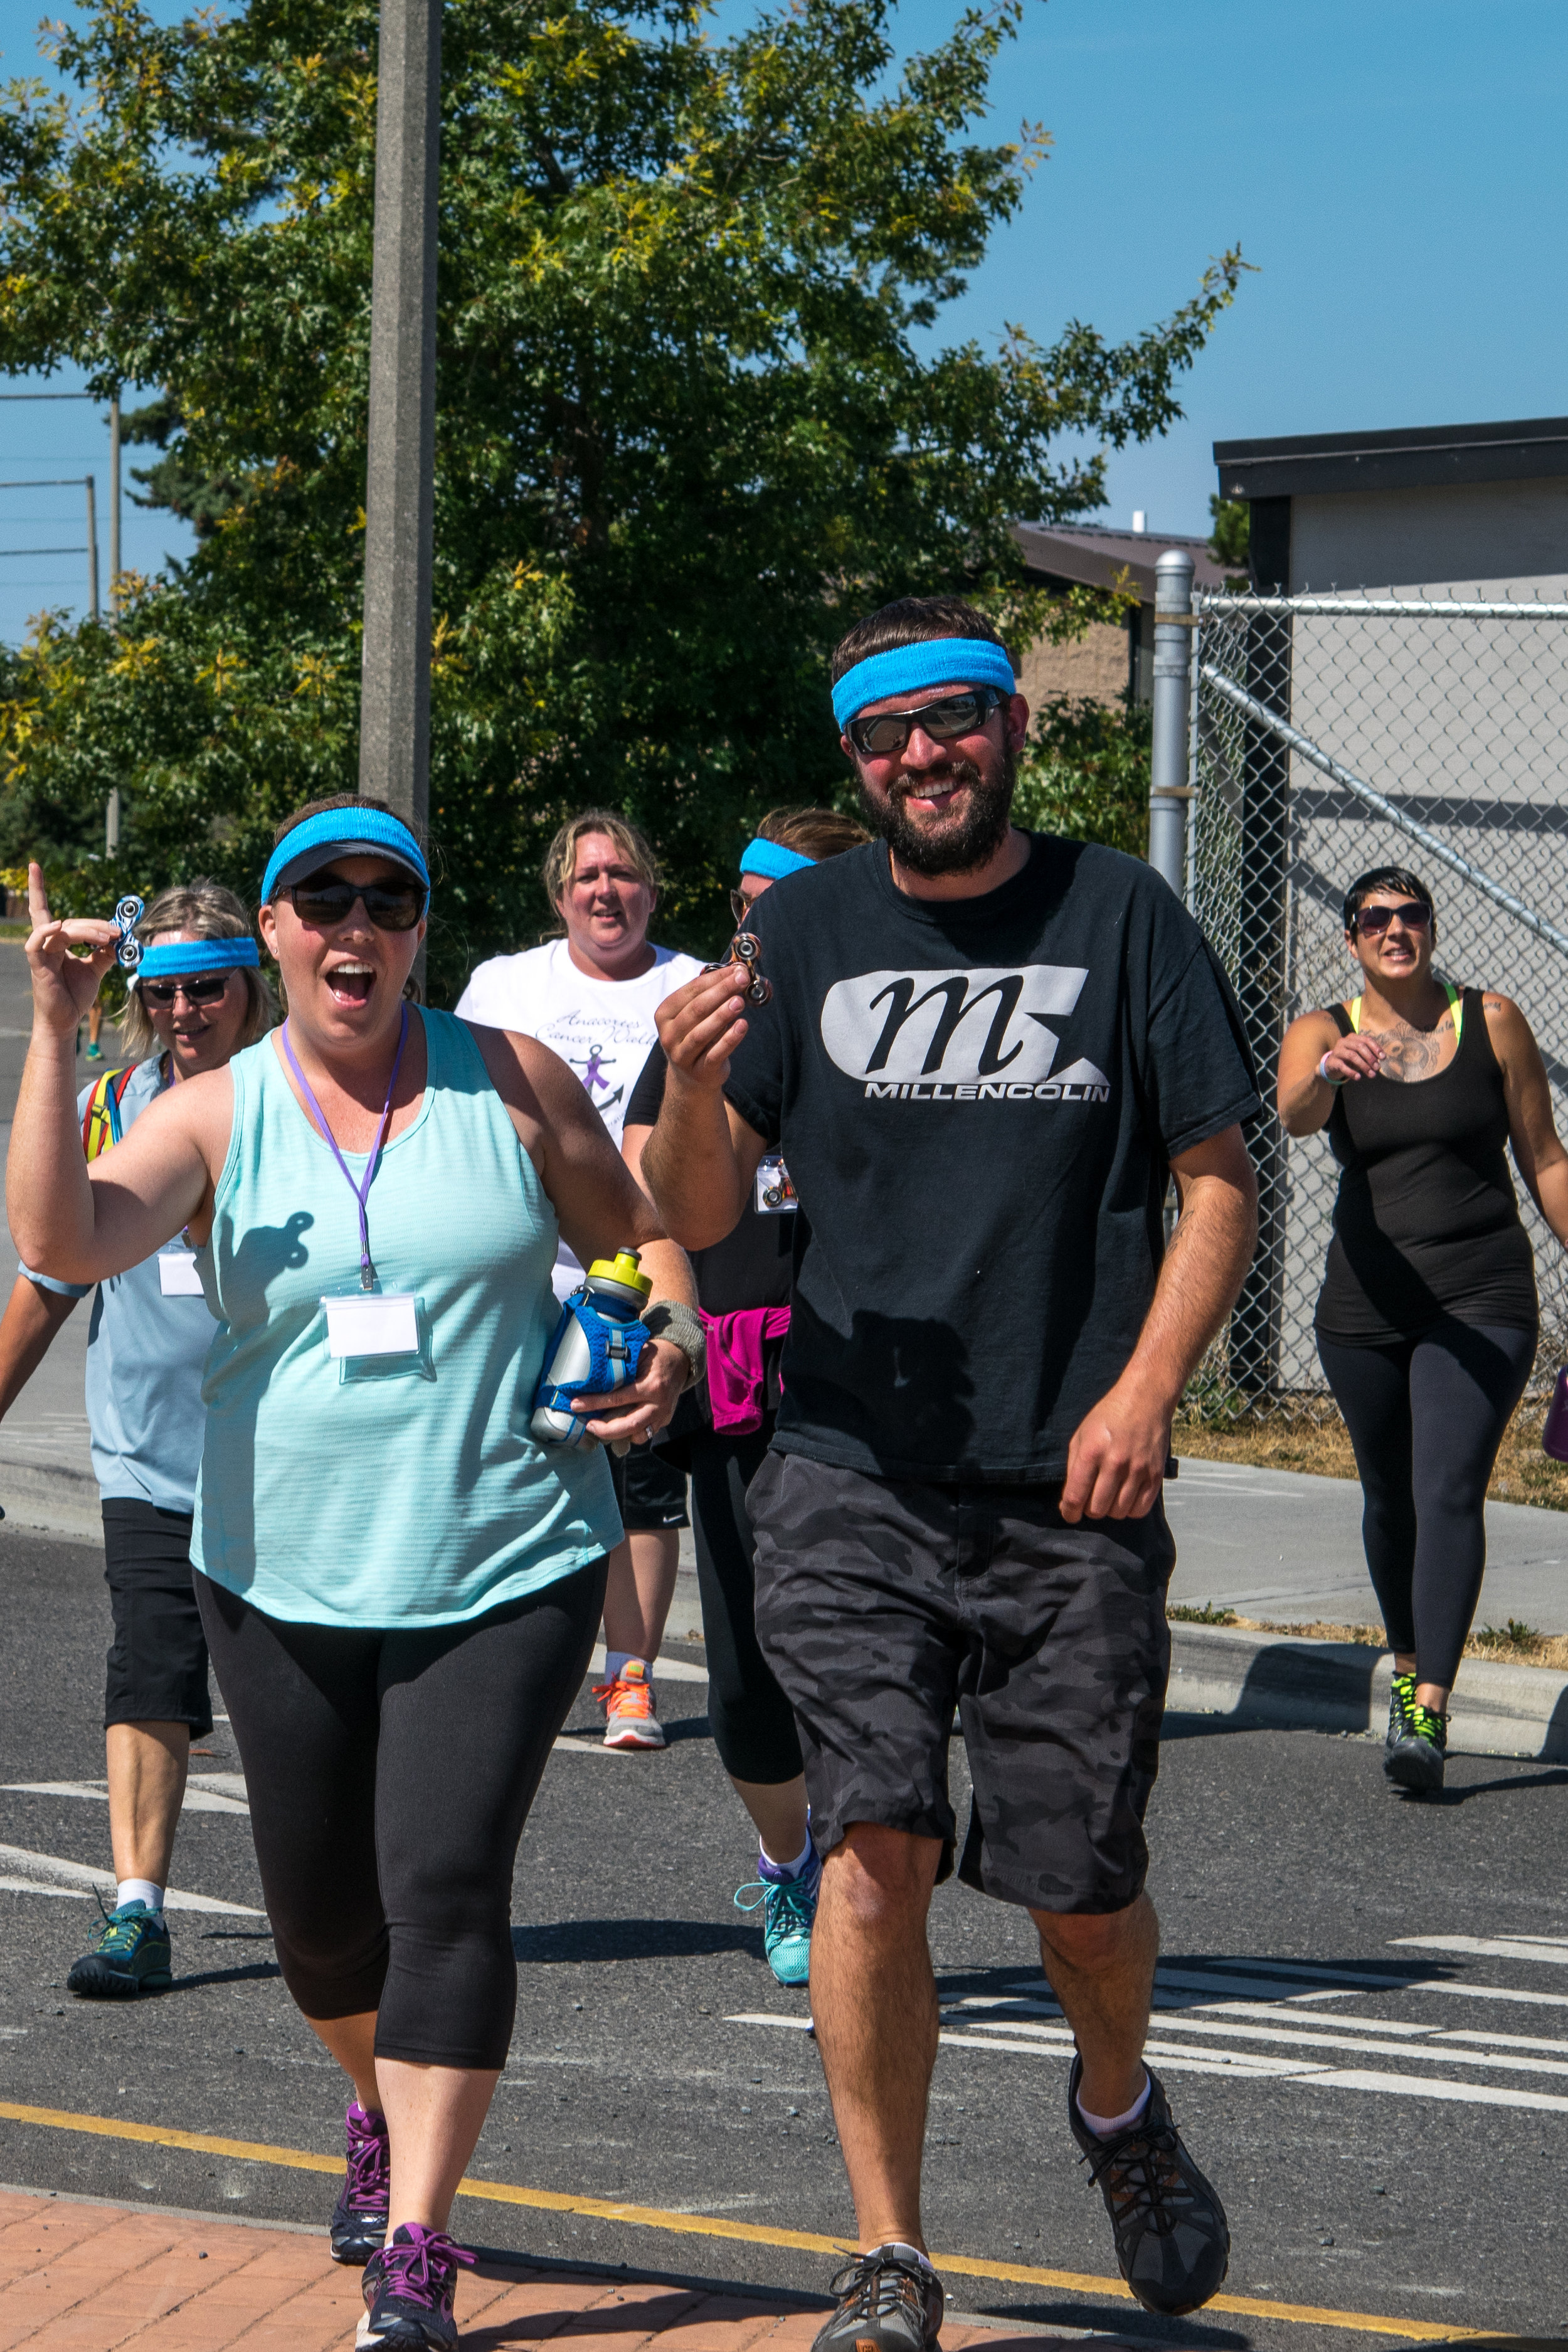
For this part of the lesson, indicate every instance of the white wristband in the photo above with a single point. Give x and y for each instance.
(1328, 1077)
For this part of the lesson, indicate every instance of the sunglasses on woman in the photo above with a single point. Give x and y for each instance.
(955, 715)
(1412, 913)
(326, 899)
(207, 990)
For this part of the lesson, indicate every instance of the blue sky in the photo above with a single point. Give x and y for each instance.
(1395, 169)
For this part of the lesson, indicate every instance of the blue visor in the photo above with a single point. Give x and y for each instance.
(341, 833)
(911, 670)
(185, 958)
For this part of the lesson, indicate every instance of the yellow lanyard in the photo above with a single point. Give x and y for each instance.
(1456, 1006)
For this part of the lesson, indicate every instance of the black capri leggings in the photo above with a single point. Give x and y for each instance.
(390, 1774)
(1425, 1418)
(752, 1721)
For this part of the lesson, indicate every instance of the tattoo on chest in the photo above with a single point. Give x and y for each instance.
(1411, 1054)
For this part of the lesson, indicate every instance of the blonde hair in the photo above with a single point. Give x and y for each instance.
(561, 857)
(815, 832)
(211, 912)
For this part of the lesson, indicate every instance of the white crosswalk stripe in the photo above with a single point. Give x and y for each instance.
(1269, 2022)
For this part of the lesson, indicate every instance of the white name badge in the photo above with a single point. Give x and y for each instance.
(177, 1276)
(774, 1194)
(372, 1323)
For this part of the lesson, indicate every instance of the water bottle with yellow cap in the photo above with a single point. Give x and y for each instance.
(597, 1345)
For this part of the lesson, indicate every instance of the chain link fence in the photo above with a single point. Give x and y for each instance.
(1329, 734)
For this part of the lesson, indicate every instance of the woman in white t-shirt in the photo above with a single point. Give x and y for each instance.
(591, 996)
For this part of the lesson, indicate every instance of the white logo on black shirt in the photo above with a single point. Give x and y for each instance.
(974, 1032)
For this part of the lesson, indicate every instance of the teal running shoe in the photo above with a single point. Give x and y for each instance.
(130, 1955)
(788, 1906)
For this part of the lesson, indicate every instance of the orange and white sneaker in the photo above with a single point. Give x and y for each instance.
(627, 1702)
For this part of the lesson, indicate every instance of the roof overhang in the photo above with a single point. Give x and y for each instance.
(1426, 457)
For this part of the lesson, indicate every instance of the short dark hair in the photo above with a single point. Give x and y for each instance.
(910, 621)
(1384, 878)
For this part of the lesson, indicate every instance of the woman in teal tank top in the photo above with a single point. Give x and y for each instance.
(400, 1588)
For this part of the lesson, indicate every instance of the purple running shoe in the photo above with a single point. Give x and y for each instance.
(409, 2288)
(359, 2216)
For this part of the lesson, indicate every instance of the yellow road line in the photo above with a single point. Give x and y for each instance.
(706, 2225)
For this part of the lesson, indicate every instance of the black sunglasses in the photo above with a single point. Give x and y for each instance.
(1413, 913)
(205, 991)
(326, 899)
(955, 715)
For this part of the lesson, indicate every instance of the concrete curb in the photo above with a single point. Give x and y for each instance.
(1269, 1681)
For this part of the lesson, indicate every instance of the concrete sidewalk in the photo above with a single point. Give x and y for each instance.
(95, 2277)
(1278, 1545)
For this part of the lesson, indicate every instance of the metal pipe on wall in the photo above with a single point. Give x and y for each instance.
(1169, 757)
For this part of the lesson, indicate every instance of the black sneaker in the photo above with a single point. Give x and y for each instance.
(890, 2300)
(358, 2227)
(409, 2287)
(1172, 2241)
(130, 1955)
(1416, 1760)
(1401, 1701)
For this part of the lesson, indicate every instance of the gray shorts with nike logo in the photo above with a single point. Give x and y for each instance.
(882, 1604)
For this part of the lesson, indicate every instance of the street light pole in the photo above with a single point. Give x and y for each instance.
(114, 504)
(91, 547)
(394, 702)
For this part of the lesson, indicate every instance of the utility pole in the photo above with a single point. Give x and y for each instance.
(395, 701)
(91, 548)
(114, 504)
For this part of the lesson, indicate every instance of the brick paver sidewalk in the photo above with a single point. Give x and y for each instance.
(97, 2278)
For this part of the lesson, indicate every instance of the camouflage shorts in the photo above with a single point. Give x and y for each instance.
(882, 1604)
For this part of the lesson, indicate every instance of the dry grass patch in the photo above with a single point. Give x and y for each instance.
(1512, 1644)
(1522, 1473)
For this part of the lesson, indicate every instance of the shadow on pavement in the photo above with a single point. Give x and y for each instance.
(569, 1940)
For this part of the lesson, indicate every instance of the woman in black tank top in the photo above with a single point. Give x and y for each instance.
(1426, 1321)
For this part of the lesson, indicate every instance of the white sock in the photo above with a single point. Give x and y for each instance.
(617, 1661)
(139, 1890)
(1107, 2127)
(789, 1869)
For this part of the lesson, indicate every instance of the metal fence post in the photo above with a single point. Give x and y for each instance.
(395, 703)
(1169, 762)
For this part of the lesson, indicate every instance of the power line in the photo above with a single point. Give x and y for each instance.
(45, 550)
(49, 396)
(47, 482)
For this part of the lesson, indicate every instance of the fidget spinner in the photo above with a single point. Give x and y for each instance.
(746, 949)
(127, 914)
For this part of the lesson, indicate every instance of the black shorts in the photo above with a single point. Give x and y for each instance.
(650, 1492)
(158, 1662)
(882, 1604)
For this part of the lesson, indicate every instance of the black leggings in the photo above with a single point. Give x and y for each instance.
(752, 1721)
(1425, 1418)
(389, 1775)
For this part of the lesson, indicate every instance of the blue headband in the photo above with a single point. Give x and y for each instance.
(771, 857)
(185, 958)
(908, 669)
(341, 832)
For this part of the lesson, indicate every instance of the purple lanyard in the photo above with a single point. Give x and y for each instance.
(361, 1191)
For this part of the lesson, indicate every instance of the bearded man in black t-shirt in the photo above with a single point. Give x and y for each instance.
(985, 1053)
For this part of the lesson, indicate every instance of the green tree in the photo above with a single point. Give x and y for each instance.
(690, 416)
(1231, 538)
(1084, 773)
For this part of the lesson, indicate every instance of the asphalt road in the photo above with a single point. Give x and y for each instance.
(655, 2061)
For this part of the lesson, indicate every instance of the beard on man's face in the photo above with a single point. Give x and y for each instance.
(954, 843)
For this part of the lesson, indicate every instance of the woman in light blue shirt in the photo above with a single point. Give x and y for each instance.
(400, 1588)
